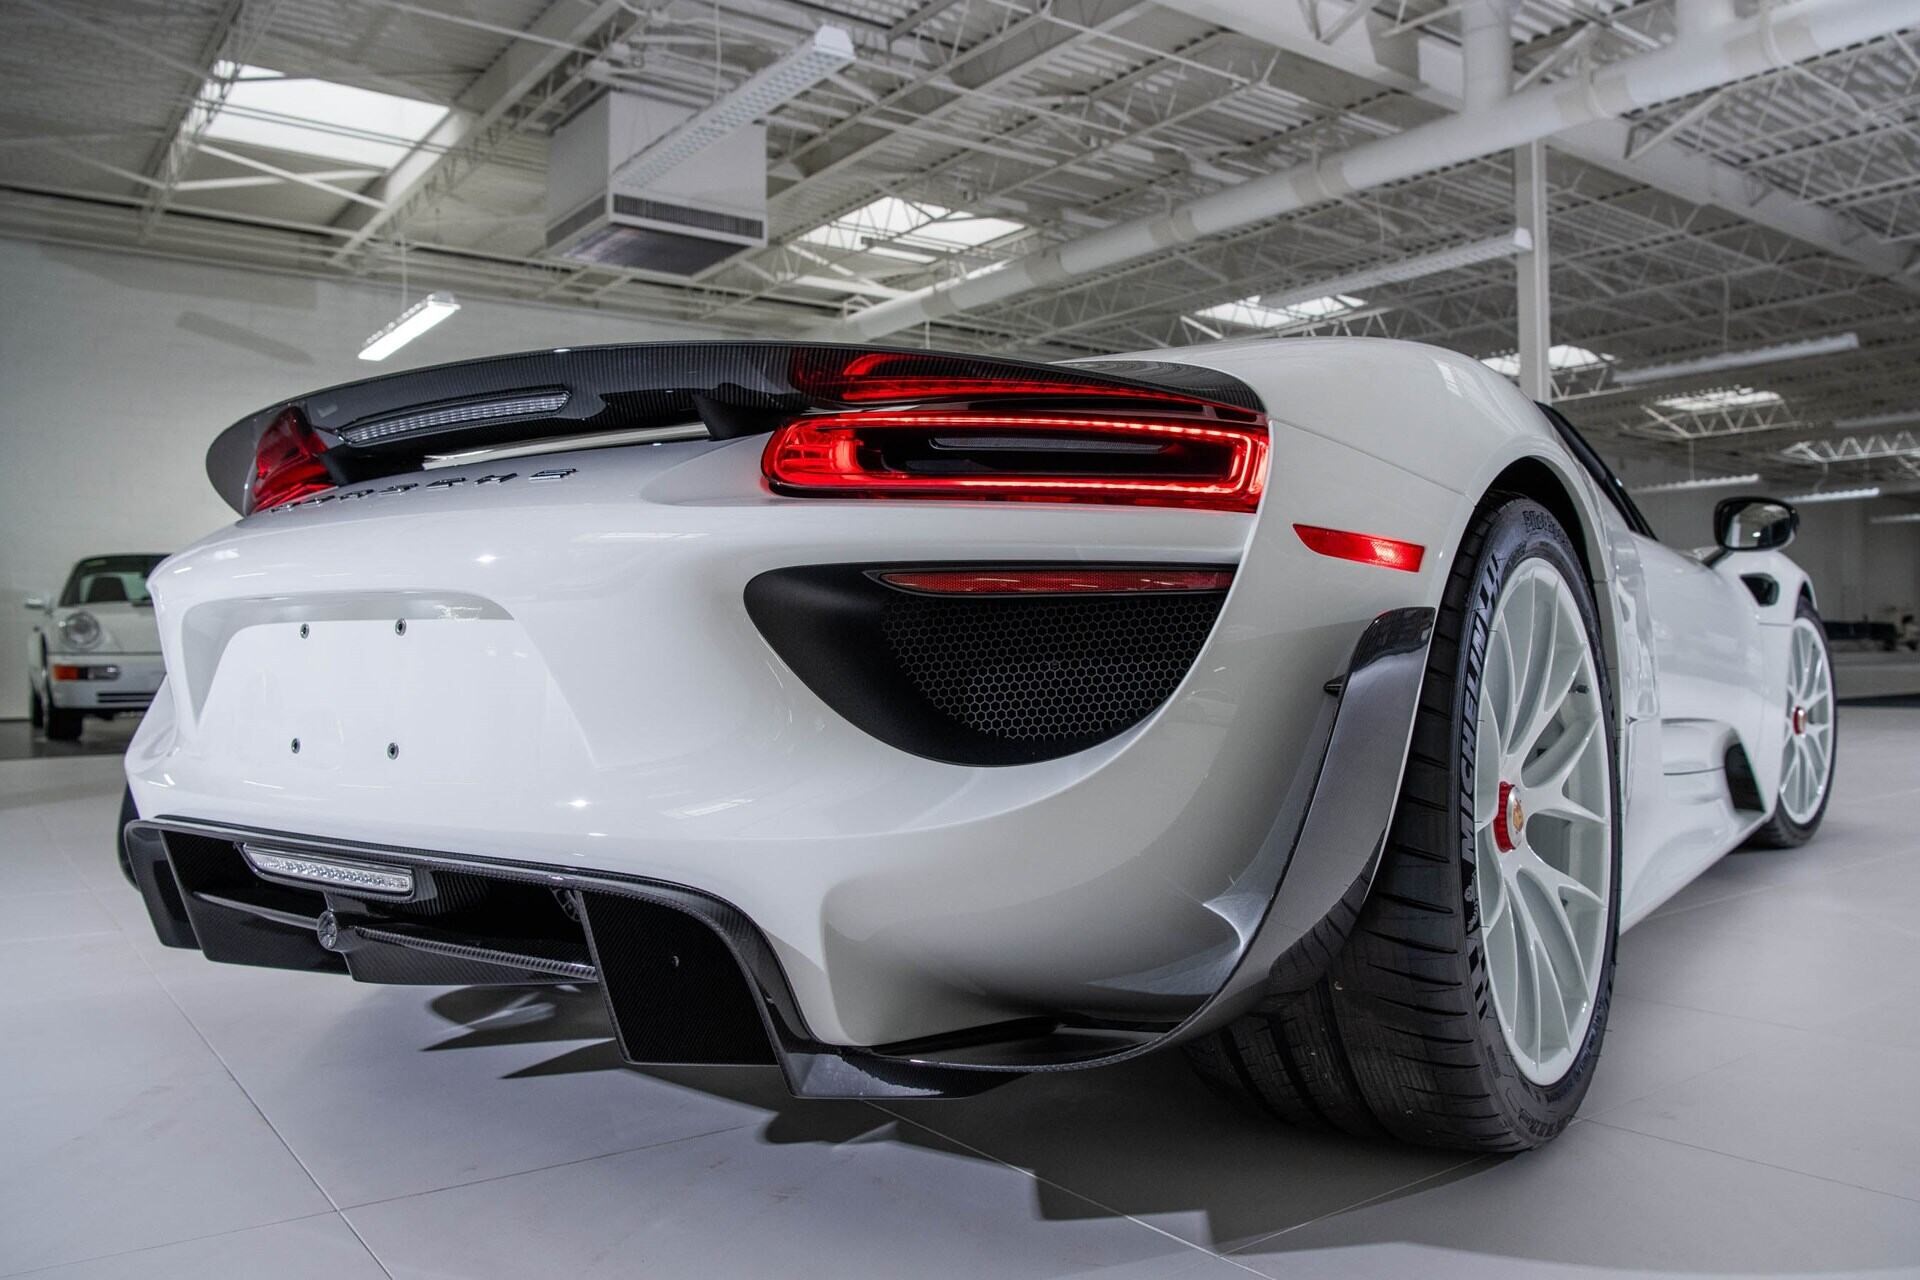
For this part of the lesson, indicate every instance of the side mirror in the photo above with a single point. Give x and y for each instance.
(1754, 524)
(38, 603)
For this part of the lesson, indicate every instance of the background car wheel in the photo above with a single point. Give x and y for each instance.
(1468, 1004)
(1809, 752)
(63, 724)
(36, 716)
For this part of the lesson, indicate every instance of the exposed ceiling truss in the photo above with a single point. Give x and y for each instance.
(1784, 206)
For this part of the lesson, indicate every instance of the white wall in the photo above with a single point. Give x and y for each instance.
(117, 370)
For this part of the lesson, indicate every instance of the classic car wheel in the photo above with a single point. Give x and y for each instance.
(36, 714)
(1808, 752)
(1468, 1004)
(63, 723)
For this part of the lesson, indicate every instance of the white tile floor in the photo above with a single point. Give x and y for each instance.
(1757, 1112)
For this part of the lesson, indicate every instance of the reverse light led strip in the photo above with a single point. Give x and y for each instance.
(364, 876)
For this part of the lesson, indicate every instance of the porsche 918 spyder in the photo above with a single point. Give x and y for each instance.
(913, 721)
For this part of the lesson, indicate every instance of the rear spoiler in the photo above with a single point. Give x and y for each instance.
(388, 425)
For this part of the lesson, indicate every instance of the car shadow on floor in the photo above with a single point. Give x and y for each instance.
(1144, 1139)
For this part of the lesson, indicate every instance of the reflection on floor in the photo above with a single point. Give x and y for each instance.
(20, 741)
(1755, 1112)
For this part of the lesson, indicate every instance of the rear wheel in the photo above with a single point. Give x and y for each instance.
(1468, 1005)
(36, 714)
(63, 723)
(1808, 752)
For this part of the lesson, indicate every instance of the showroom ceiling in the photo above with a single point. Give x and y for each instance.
(361, 138)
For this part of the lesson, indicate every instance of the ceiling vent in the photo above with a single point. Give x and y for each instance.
(679, 222)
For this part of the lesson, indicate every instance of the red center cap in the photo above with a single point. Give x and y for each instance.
(1508, 819)
(1799, 719)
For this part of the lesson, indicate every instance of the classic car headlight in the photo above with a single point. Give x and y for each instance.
(81, 630)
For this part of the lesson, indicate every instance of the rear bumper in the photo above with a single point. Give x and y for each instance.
(690, 977)
(578, 685)
(136, 678)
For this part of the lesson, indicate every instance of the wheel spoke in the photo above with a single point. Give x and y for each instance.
(1550, 771)
(1557, 936)
(1553, 1003)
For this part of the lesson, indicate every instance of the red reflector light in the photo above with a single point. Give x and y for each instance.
(287, 464)
(1367, 548)
(69, 673)
(1163, 461)
(1020, 582)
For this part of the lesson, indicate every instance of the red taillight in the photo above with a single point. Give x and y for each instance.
(1367, 548)
(1020, 582)
(902, 377)
(1159, 460)
(286, 463)
(62, 672)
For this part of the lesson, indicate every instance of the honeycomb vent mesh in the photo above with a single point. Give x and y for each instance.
(1034, 670)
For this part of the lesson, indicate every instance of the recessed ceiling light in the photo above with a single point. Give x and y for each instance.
(1720, 398)
(1252, 313)
(317, 117)
(1559, 356)
(1704, 482)
(895, 228)
(1837, 495)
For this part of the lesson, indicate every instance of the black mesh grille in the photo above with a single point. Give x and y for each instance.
(1048, 669)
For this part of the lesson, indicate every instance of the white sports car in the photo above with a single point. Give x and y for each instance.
(98, 652)
(913, 721)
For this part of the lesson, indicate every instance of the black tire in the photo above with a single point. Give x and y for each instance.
(127, 814)
(1780, 831)
(1401, 1036)
(63, 724)
(36, 713)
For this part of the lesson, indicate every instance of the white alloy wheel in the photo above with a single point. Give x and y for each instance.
(1543, 818)
(1806, 765)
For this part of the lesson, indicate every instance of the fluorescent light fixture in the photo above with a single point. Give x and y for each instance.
(1897, 419)
(1704, 482)
(1911, 517)
(410, 324)
(1559, 356)
(1252, 313)
(1746, 359)
(780, 81)
(366, 877)
(317, 117)
(1837, 495)
(911, 230)
(1720, 398)
(1339, 289)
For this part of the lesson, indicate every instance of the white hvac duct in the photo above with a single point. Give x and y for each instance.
(1774, 38)
(1486, 53)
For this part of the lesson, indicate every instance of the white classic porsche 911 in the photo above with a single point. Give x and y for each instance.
(914, 721)
(97, 652)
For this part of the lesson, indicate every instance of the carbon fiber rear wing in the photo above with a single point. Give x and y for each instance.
(388, 425)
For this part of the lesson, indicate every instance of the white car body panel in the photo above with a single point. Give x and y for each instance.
(578, 685)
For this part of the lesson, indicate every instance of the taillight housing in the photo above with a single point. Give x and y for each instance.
(1183, 457)
(287, 464)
